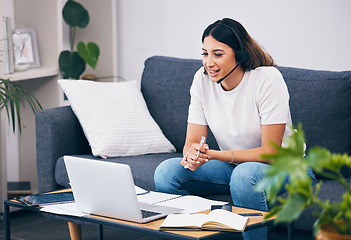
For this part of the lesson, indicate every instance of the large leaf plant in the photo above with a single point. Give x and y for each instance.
(72, 62)
(290, 162)
(11, 96)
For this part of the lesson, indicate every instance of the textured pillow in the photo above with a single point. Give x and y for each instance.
(115, 118)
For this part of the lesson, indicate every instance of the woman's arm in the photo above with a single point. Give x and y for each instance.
(274, 133)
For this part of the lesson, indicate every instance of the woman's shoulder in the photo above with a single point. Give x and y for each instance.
(266, 74)
(266, 77)
(266, 71)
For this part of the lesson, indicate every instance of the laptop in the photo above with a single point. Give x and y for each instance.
(107, 189)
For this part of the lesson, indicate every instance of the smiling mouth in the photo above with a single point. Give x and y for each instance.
(213, 73)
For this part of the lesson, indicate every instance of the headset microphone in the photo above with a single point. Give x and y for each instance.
(220, 80)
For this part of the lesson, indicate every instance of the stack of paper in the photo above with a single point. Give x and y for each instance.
(63, 209)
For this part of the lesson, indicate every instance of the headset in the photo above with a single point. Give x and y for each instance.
(241, 56)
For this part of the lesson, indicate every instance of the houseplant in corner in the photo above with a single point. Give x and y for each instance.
(72, 63)
(290, 162)
(11, 95)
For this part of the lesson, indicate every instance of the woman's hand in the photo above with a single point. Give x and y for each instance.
(195, 156)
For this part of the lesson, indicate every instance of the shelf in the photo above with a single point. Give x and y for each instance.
(33, 73)
(53, 37)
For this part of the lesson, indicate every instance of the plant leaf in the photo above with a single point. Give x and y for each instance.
(10, 98)
(317, 158)
(90, 53)
(71, 65)
(75, 15)
(292, 209)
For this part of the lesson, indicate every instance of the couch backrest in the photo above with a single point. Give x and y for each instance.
(320, 100)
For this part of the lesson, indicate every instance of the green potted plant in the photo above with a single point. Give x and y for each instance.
(11, 95)
(72, 63)
(290, 162)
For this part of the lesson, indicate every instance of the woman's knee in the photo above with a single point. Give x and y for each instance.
(249, 172)
(242, 185)
(165, 174)
(245, 176)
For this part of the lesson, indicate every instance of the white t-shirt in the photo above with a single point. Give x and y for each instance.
(235, 117)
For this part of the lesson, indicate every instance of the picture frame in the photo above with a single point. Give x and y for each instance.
(25, 47)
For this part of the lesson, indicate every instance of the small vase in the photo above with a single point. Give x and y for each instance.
(328, 232)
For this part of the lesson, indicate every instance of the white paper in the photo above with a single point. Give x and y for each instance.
(225, 218)
(63, 209)
(184, 220)
(192, 204)
(139, 190)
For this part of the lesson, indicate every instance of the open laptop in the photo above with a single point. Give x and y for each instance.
(107, 189)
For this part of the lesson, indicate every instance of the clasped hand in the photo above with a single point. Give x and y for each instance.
(195, 156)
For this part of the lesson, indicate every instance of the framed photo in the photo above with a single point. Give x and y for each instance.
(25, 47)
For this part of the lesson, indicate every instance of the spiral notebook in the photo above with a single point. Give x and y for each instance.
(189, 203)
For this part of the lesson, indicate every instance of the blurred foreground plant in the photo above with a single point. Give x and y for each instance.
(290, 162)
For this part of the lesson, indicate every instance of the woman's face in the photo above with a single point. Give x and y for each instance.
(218, 58)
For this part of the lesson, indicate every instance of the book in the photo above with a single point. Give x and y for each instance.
(216, 220)
(8, 46)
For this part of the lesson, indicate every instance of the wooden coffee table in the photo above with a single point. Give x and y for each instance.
(150, 228)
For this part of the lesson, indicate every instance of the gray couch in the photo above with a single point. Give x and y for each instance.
(320, 100)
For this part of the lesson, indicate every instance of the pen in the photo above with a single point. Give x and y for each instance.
(201, 143)
(250, 214)
(198, 152)
(143, 193)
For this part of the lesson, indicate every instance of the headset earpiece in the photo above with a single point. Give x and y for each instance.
(242, 55)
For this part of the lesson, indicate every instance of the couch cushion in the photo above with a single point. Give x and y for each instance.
(115, 118)
(321, 101)
(143, 168)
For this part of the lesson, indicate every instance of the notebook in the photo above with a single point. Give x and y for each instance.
(107, 189)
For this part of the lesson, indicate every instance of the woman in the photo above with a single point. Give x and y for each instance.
(243, 99)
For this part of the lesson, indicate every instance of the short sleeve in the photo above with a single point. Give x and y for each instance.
(273, 99)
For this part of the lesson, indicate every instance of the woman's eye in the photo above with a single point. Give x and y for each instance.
(218, 55)
(204, 54)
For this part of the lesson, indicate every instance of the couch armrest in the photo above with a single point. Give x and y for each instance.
(58, 133)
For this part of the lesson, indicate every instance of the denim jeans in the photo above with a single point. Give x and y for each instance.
(217, 177)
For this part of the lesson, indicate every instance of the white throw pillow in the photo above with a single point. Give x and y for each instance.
(115, 118)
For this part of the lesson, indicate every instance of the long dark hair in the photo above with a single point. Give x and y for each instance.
(220, 31)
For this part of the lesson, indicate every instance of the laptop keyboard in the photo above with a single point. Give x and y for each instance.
(147, 214)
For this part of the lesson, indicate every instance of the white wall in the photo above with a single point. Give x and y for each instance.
(313, 34)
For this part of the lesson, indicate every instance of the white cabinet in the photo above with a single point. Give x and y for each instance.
(52, 35)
